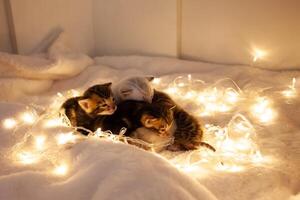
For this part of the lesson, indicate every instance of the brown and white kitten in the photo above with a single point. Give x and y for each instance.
(96, 101)
(188, 132)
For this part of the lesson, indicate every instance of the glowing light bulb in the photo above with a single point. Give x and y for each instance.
(189, 168)
(156, 81)
(75, 93)
(258, 54)
(213, 95)
(241, 127)
(267, 116)
(201, 98)
(232, 97)
(257, 158)
(99, 133)
(61, 170)
(40, 142)
(235, 168)
(28, 117)
(27, 158)
(9, 123)
(53, 123)
(223, 108)
(189, 95)
(291, 92)
(172, 90)
(59, 94)
(243, 145)
(65, 138)
(228, 145)
(181, 84)
(263, 111)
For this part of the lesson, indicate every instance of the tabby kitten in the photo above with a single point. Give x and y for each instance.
(188, 133)
(133, 114)
(96, 101)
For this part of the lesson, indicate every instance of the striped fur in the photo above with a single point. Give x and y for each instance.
(101, 100)
(188, 133)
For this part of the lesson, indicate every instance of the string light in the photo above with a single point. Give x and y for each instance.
(40, 142)
(65, 138)
(27, 158)
(232, 96)
(56, 122)
(235, 143)
(291, 92)
(156, 81)
(9, 123)
(172, 90)
(61, 169)
(59, 94)
(28, 117)
(257, 158)
(75, 93)
(258, 54)
(190, 95)
(262, 110)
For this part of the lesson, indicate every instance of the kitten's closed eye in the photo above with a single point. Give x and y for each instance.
(150, 122)
(126, 92)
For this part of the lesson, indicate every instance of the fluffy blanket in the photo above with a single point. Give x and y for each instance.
(101, 169)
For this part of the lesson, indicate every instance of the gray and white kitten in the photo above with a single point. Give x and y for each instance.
(133, 88)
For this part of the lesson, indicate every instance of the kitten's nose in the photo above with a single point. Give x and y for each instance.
(112, 107)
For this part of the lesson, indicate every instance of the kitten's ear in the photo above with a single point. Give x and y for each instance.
(126, 91)
(86, 105)
(107, 84)
(149, 78)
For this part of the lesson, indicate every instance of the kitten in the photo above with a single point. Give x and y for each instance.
(96, 101)
(188, 133)
(133, 114)
(133, 88)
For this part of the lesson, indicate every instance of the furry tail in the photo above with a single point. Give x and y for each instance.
(204, 144)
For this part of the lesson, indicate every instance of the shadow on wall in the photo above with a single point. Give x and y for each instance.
(43, 45)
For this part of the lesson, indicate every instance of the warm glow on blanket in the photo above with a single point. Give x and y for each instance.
(235, 142)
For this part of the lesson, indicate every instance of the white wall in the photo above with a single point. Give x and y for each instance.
(135, 27)
(37, 20)
(223, 31)
(5, 44)
(227, 31)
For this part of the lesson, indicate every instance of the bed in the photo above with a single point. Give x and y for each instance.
(93, 168)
